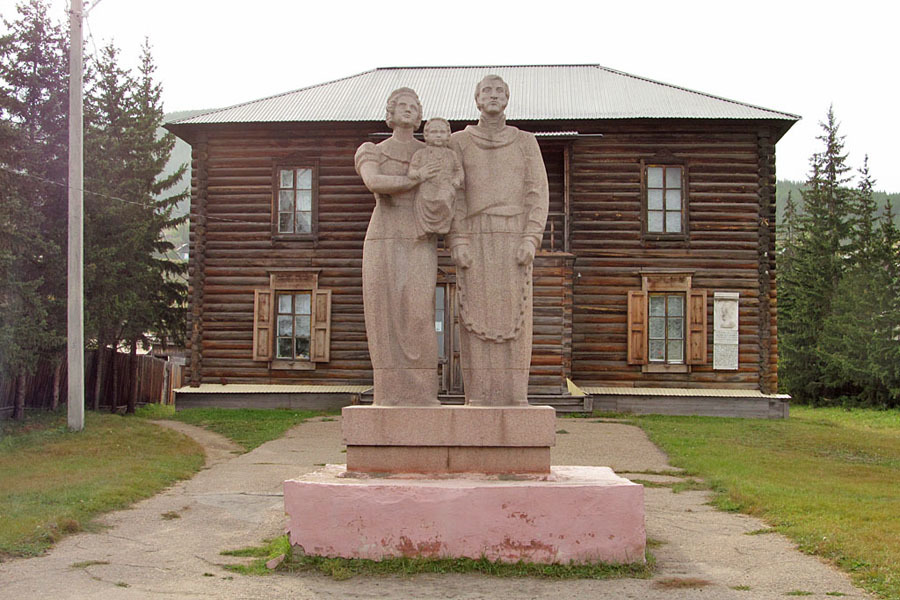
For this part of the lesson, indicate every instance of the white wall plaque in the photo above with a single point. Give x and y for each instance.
(725, 331)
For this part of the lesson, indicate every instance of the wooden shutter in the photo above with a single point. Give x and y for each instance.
(262, 324)
(637, 328)
(321, 327)
(696, 341)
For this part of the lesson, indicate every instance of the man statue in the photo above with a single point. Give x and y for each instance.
(497, 228)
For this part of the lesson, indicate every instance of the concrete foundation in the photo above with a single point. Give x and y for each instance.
(573, 514)
(448, 439)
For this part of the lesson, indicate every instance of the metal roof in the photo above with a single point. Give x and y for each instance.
(537, 92)
(608, 390)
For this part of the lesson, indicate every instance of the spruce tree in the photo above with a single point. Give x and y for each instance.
(110, 243)
(167, 289)
(33, 148)
(808, 286)
(863, 242)
(133, 288)
(887, 362)
(856, 336)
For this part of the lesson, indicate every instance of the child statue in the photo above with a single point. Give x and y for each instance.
(434, 204)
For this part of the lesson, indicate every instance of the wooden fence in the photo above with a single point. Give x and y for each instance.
(147, 379)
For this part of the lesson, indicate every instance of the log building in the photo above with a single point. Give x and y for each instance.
(654, 290)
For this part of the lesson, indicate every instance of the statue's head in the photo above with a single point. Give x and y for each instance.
(437, 131)
(401, 105)
(492, 95)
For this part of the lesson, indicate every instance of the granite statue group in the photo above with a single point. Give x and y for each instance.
(485, 189)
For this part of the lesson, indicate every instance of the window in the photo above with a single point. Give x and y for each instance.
(292, 321)
(666, 332)
(666, 323)
(439, 320)
(663, 210)
(294, 213)
(293, 325)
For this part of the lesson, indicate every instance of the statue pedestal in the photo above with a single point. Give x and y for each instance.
(449, 439)
(462, 482)
(572, 514)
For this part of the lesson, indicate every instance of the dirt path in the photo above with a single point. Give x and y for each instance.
(169, 546)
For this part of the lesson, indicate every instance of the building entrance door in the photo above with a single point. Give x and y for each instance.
(446, 325)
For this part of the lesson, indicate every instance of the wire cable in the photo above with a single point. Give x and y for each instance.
(116, 198)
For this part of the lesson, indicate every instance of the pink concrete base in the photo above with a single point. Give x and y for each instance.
(576, 514)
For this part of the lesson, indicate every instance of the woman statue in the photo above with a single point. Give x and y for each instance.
(399, 267)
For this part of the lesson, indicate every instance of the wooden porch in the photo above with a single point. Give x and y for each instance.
(751, 404)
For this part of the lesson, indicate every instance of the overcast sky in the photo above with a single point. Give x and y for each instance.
(794, 56)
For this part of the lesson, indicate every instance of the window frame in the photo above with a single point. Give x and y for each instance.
(665, 161)
(695, 324)
(294, 164)
(265, 316)
(666, 317)
(293, 315)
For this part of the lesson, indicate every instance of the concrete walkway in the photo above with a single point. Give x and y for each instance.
(147, 552)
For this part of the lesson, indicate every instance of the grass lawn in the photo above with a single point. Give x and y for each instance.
(247, 427)
(53, 481)
(827, 478)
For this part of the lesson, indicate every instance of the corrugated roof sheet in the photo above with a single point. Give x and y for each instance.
(538, 92)
(608, 390)
(252, 388)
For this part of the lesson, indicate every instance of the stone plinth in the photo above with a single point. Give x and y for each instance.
(579, 514)
(448, 439)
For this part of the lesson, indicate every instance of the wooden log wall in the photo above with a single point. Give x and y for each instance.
(197, 257)
(233, 253)
(730, 171)
(554, 238)
(768, 334)
(580, 310)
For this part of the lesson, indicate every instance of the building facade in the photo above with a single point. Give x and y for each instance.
(657, 268)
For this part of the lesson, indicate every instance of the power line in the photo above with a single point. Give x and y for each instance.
(108, 197)
(91, 33)
(91, 6)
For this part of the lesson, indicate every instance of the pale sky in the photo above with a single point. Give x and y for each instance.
(793, 56)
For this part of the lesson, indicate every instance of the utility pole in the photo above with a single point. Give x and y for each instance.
(75, 331)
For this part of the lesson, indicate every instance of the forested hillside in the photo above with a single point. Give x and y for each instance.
(794, 187)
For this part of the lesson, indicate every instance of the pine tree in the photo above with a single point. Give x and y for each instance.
(165, 308)
(133, 289)
(864, 230)
(809, 285)
(160, 311)
(786, 235)
(110, 244)
(33, 97)
(857, 335)
(887, 361)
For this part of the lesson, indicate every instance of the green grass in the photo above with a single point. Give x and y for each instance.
(54, 482)
(247, 427)
(345, 568)
(827, 478)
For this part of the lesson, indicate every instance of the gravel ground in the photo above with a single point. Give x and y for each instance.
(236, 501)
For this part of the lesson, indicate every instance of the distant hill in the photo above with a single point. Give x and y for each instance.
(181, 154)
(783, 186)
